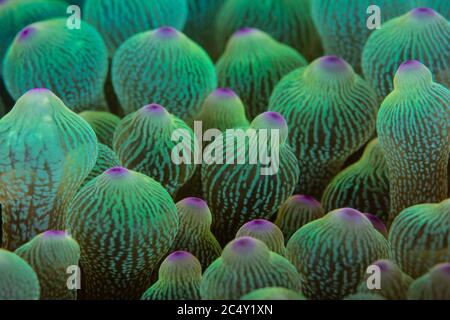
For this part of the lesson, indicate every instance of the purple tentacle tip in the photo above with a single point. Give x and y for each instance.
(179, 256)
(259, 224)
(423, 12)
(244, 31)
(155, 109)
(117, 172)
(333, 63)
(3, 1)
(26, 32)
(243, 244)
(167, 32)
(54, 233)
(274, 117)
(410, 65)
(225, 92)
(306, 200)
(195, 202)
(350, 214)
(383, 265)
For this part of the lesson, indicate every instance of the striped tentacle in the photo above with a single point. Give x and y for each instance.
(247, 264)
(414, 132)
(124, 222)
(46, 152)
(332, 253)
(71, 63)
(421, 34)
(420, 237)
(331, 113)
(363, 185)
(51, 254)
(237, 190)
(180, 276)
(252, 65)
(143, 142)
(166, 67)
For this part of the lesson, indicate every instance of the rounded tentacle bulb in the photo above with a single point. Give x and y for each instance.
(265, 231)
(331, 113)
(144, 142)
(201, 17)
(103, 123)
(297, 211)
(106, 158)
(248, 174)
(221, 110)
(287, 21)
(332, 253)
(363, 185)
(344, 26)
(124, 222)
(273, 293)
(46, 152)
(180, 276)
(414, 133)
(118, 20)
(434, 285)
(252, 64)
(15, 15)
(54, 256)
(73, 63)
(421, 34)
(247, 264)
(166, 67)
(420, 237)
(18, 281)
(393, 284)
(194, 234)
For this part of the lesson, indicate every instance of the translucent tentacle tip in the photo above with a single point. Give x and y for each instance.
(26, 32)
(224, 93)
(410, 65)
(3, 1)
(259, 225)
(245, 31)
(166, 32)
(306, 200)
(179, 257)
(117, 172)
(440, 273)
(55, 234)
(350, 215)
(423, 12)
(333, 64)
(154, 110)
(243, 245)
(195, 203)
(271, 121)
